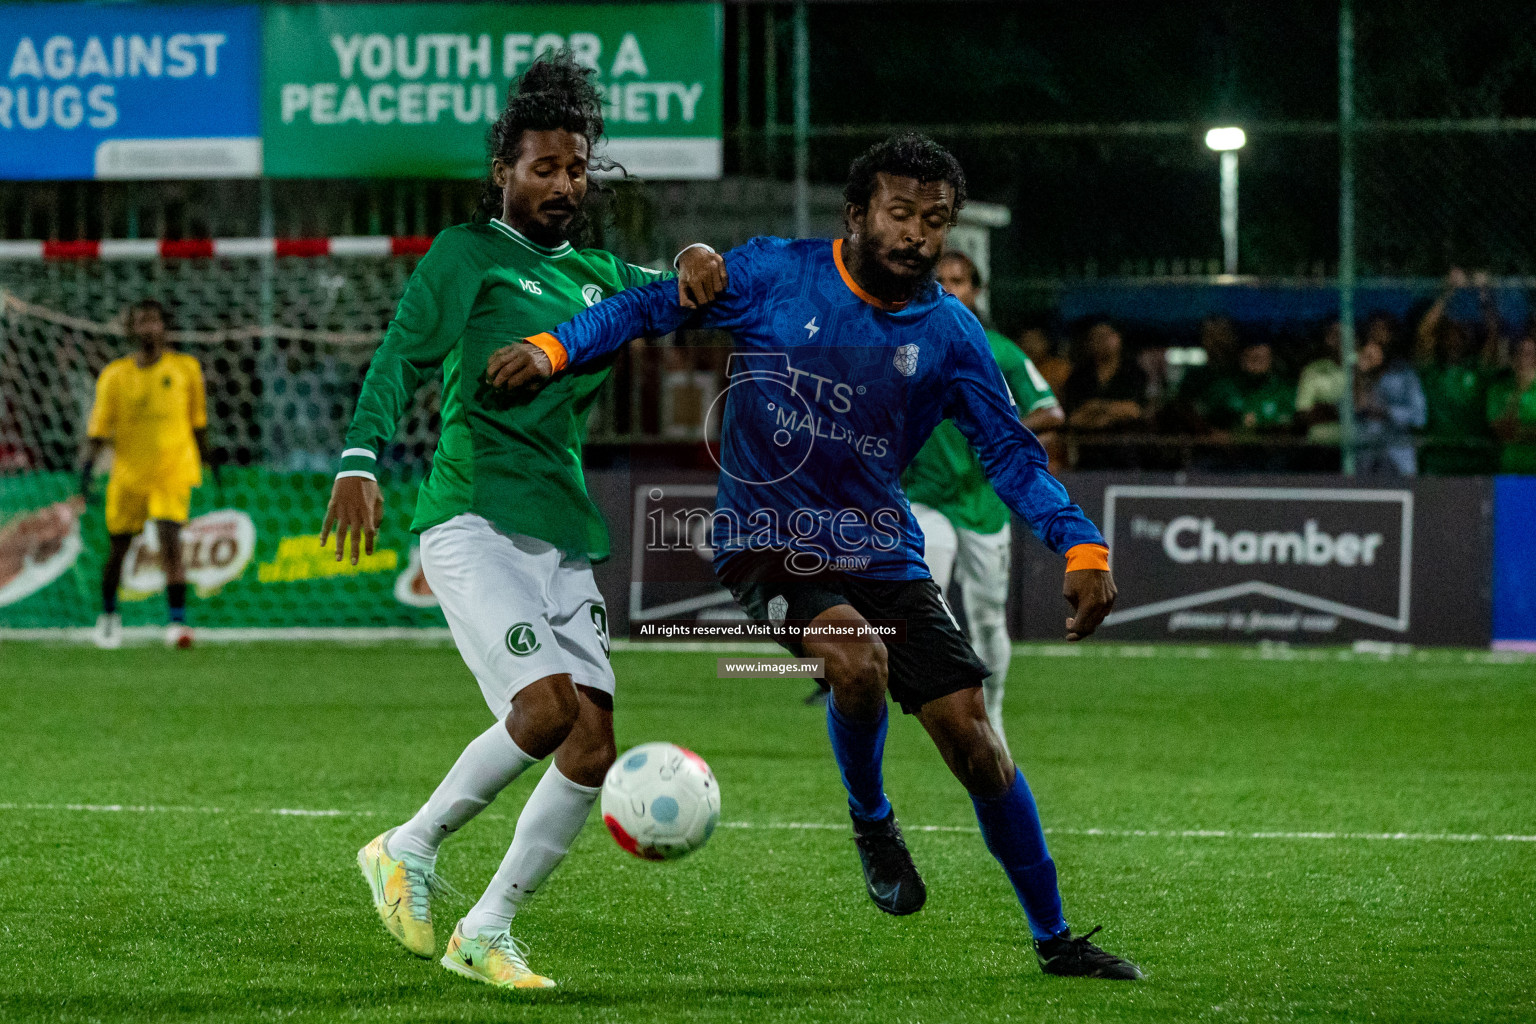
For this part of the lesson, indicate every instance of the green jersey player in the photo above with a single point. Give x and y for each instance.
(508, 532)
(966, 532)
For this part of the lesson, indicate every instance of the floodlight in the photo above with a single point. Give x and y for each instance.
(1223, 140)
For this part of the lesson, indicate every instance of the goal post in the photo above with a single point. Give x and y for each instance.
(284, 331)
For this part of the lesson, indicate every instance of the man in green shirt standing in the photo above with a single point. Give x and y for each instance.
(1254, 400)
(1512, 409)
(966, 526)
(1455, 373)
(508, 532)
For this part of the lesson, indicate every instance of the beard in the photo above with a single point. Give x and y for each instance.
(883, 279)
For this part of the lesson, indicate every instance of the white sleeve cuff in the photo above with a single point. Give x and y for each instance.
(364, 452)
(357, 472)
(678, 259)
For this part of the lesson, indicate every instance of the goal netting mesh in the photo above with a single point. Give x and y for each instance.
(284, 344)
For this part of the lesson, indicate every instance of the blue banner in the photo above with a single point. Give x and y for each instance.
(123, 91)
(1514, 561)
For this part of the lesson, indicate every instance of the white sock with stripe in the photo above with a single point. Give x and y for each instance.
(549, 824)
(490, 762)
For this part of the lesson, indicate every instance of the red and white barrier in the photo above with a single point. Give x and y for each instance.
(207, 248)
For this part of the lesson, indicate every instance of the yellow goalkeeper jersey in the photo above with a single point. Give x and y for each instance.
(148, 413)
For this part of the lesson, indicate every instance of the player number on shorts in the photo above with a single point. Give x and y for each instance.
(600, 623)
(522, 640)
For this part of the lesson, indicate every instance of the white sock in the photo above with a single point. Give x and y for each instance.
(491, 761)
(549, 824)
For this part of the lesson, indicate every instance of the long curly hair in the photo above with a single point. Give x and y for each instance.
(555, 93)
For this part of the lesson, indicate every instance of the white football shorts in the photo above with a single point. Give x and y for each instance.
(517, 609)
(979, 562)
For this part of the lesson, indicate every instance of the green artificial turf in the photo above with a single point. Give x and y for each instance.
(215, 908)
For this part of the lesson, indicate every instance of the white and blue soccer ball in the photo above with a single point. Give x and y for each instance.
(660, 801)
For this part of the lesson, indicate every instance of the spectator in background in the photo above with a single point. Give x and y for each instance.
(1219, 340)
(1181, 409)
(1512, 408)
(1389, 408)
(1106, 391)
(1319, 390)
(1455, 376)
(1035, 339)
(1253, 399)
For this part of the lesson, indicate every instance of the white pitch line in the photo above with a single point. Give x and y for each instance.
(822, 826)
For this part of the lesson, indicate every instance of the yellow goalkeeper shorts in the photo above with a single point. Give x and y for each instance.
(128, 508)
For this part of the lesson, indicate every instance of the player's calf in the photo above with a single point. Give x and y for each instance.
(965, 738)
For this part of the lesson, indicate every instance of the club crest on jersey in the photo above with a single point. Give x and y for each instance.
(591, 294)
(905, 360)
(522, 640)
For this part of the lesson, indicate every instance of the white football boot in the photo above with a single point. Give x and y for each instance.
(178, 634)
(108, 634)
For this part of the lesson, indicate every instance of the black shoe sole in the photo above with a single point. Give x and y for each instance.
(1131, 973)
(897, 911)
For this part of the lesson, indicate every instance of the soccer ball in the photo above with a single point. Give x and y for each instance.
(660, 801)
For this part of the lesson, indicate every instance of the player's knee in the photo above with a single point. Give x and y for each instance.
(987, 616)
(857, 675)
(543, 715)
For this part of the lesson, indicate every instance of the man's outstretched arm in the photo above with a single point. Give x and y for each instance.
(706, 293)
(1016, 464)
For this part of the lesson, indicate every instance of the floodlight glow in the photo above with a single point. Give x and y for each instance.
(1223, 140)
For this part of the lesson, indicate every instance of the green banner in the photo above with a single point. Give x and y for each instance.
(252, 552)
(409, 90)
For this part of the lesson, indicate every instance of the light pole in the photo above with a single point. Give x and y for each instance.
(1227, 141)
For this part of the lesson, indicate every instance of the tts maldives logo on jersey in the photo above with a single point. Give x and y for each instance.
(1276, 562)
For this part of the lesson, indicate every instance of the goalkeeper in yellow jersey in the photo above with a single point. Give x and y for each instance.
(152, 410)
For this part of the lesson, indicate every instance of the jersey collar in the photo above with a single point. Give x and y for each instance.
(563, 249)
(853, 286)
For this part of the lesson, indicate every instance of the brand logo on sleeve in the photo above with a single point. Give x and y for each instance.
(591, 294)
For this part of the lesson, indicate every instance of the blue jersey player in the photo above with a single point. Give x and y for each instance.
(847, 355)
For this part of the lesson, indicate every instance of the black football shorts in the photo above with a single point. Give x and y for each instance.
(932, 660)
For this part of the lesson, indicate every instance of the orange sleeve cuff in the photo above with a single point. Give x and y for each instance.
(1087, 556)
(550, 345)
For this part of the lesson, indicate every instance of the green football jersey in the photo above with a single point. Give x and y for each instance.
(514, 460)
(1232, 398)
(1503, 398)
(1456, 395)
(947, 476)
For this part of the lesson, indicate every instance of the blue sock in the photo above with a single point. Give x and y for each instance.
(859, 747)
(1010, 824)
(176, 601)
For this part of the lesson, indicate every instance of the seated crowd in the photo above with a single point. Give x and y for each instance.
(1449, 399)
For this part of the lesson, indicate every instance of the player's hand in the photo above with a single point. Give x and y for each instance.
(356, 510)
(518, 366)
(701, 277)
(1091, 593)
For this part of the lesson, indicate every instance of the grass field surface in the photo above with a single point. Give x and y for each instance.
(1271, 839)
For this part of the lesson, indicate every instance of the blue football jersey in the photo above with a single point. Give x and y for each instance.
(830, 394)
